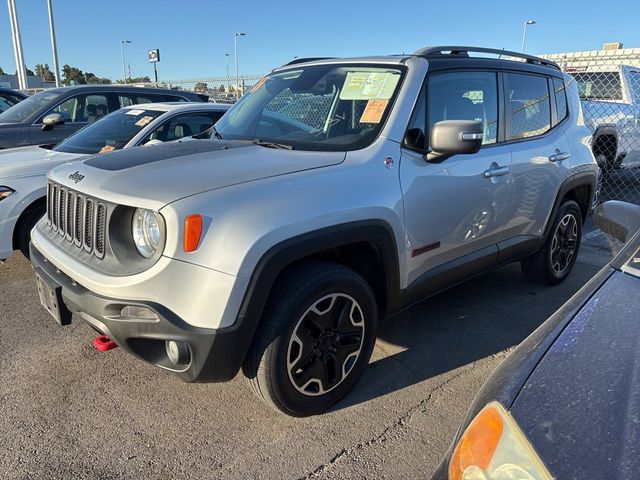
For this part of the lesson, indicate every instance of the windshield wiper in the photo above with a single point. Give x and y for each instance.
(263, 143)
(207, 134)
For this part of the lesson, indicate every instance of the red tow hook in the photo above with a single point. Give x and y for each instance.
(104, 343)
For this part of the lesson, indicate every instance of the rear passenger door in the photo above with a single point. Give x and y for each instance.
(536, 119)
(456, 208)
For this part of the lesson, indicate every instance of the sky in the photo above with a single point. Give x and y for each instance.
(194, 36)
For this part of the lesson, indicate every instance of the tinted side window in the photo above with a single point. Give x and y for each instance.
(83, 108)
(528, 105)
(184, 126)
(561, 99)
(465, 96)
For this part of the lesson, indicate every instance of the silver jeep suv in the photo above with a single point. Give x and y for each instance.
(334, 194)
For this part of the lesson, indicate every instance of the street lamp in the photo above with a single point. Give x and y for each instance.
(124, 68)
(226, 62)
(235, 46)
(524, 33)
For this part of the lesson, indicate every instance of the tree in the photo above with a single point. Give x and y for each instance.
(92, 79)
(221, 89)
(200, 87)
(144, 79)
(45, 72)
(72, 74)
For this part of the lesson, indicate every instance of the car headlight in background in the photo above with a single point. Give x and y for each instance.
(146, 232)
(494, 448)
(5, 192)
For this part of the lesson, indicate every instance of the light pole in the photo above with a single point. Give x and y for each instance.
(54, 47)
(124, 68)
(235, 46)
(226, 61)
(524, 33)
(17, 45)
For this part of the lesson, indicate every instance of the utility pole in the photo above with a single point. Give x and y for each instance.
(524, 33)
(235, 46)
(124, 67)
(54, 47)
(17, 45)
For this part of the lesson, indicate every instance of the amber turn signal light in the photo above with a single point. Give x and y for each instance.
(192, 232)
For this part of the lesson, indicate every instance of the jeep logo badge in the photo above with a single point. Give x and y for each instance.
(76, 177)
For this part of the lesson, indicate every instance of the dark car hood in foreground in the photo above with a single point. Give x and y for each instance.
(581, 406)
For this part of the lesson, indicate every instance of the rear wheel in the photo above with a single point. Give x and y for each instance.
(315, 339)
(26, 223)
(555, 260)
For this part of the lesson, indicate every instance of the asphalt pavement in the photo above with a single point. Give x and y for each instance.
(69, 411)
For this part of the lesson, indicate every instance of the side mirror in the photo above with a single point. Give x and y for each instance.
(453, 137)
(621, 220)
(153, 142)
(51, 121)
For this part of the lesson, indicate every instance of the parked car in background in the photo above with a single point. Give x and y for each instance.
(611, 107)
(49, 117)
(9, 97)
(277, 248)
(23, 170)
(564, 404)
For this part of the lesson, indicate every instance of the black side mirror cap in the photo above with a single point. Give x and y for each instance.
(415, 138)
(454, 137)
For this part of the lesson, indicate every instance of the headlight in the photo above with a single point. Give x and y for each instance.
(146, 232)
(494, 448)
(5, 192)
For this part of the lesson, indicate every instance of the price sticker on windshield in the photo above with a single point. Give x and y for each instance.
(107, 148)
(144, 121)
(369, 86)
(374, 111)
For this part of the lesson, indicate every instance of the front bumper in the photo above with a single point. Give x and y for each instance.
(215, 354)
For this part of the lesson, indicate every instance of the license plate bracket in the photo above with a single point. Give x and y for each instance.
(51, 300)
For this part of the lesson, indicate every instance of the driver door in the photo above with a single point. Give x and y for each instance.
(455, 211)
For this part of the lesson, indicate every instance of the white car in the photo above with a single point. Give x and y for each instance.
(23, 171)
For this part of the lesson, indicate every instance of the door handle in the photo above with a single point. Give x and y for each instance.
(558, 156)
(496, 172)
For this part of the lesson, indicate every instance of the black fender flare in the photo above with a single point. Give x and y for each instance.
(285, 253)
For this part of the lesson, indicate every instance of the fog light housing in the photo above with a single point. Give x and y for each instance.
(178, 352)
(135, 312)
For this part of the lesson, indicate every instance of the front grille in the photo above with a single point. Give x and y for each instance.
(79, 219)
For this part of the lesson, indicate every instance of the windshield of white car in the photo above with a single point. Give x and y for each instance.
(109, 133)
(23, 110)
(331, 107)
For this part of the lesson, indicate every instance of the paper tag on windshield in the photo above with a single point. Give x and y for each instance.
(135, 112)
(369, 86)
(107, 148)
(373, 111)
(144, 121)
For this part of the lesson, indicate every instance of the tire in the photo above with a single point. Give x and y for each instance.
(554, 261)
(26, 224)
(306, 330)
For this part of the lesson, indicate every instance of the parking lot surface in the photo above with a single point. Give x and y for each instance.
(69, 411)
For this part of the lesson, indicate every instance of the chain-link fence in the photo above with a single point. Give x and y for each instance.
(219, 89)
(609, 87)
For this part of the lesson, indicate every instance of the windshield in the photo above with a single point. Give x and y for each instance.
(27, 107)
(320, 107)
(109, 133)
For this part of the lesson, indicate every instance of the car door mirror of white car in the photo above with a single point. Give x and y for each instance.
(454, 137)
(621, 220)
(51, 121)
(153, 142)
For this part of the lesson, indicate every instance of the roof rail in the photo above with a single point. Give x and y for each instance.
(464, 52)
(306, 59)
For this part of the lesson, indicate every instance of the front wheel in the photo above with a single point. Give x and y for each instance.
(27, 222)
(315, 339)
(553, 262)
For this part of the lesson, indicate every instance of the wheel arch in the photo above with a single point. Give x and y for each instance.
(605, 141)
(579, 188)
(367, 246)
(39, 201)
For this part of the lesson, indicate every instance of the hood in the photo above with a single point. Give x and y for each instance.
(154, 176)
(580, 407)
(31, 161)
